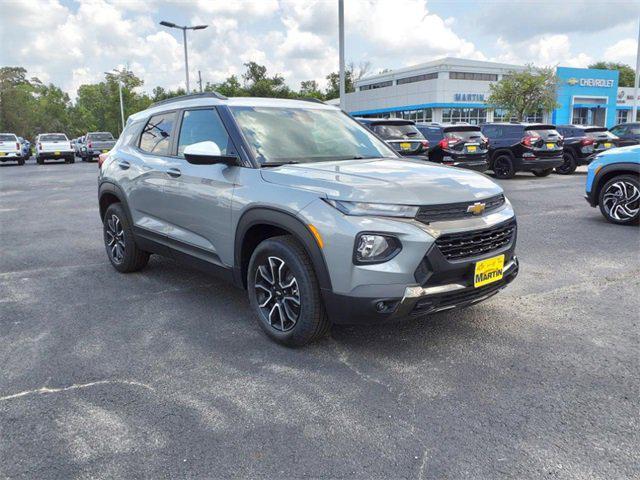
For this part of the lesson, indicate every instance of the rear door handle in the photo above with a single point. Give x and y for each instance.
(174, 172)
(124, 165)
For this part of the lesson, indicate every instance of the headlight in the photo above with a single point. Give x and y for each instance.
(374, 209)
(375, 248)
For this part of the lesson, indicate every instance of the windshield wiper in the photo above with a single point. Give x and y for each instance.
(278, 164)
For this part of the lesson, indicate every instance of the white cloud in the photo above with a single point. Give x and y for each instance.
(544, 50)
(623, 51)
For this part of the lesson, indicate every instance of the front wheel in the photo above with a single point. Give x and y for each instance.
(543, 173)
(619, 200)
(284, 292)
(123, 253)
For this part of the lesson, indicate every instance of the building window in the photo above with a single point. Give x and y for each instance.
(500, 115)
(417, 78)
(421, 115)
(473, 116)
(372, 86)
(535, 118)
(485, 77)
(621, 116)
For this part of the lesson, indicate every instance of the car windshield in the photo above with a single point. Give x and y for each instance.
(397, 132)
(53, 137)
(100, 137)
(305, 135)
(7, 138)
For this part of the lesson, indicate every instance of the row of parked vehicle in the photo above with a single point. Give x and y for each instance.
(504, 148)
(54, 146)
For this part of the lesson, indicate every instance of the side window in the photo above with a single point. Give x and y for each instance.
(156, 135)
(492, 131)
(201, 126)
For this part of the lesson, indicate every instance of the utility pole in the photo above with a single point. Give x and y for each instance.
(200, 80)
(634, 115)
(119, 76)
(341, 51)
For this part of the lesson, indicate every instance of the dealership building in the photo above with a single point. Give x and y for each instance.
(456, 90)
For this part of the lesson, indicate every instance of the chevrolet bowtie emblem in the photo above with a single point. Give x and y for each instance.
(477, 208)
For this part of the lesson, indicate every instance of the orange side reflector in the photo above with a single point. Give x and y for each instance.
(316, 234)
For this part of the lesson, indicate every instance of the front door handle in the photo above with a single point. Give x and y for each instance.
(174, 172)
(124, 165)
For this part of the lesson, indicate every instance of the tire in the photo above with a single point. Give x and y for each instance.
(123, 253)
(302, 318)
(569, 166)
(619, 200)
(40, 161)
(72, 160)
(21, 161)
(503, 167)
(543, 173)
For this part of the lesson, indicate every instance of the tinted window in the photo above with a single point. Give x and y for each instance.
(467, 135)
(544, 133)
(492, 131)
(100, 137)
(156, 136)
(202, 126)
(53, 137)
(390, 132)
(619, 130)
(7, 138)
(433, 134)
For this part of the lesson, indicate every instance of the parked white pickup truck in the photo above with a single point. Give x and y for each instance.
(10, 149)
(54, 146)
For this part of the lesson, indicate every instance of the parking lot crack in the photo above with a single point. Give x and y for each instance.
(75, 386)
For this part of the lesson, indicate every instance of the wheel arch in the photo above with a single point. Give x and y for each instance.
(258, 224)
(610, 171)
(501, 151)
(109, 193)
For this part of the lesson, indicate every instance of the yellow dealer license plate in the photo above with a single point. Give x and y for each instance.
(56, 153)
(405, 146)
(608, 145)
(2, 154)
(488, 271)
(471, 148)
(551, 145)
(105, 151)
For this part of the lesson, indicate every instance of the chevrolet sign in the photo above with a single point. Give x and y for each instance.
(590, 82)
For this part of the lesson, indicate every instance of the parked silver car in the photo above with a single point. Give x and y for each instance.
(95, 143)
(318, 219)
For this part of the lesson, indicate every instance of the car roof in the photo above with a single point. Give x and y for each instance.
(8, 133)
(211, 100)
(385, 121)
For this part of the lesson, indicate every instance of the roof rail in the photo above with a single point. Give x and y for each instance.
(311, 99)
(189, 97)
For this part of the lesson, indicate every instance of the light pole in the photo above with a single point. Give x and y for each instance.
(184, 39)
(634, 114)
(341, 52)
(120, 94)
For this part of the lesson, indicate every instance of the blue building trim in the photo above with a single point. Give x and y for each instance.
(420, 106)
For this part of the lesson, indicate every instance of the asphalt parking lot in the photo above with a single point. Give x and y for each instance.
(164, 373)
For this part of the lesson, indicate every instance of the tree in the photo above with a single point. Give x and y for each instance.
(523, 93)
(231, 87)
(310, 89)
(351, 75)
(259, 84)
(627, 75)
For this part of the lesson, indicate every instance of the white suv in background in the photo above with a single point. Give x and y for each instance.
(54, 146)
(10, 149)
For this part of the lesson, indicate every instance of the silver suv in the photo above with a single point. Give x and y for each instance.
(310, 212)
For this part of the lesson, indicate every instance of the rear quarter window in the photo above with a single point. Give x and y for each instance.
(157, 135)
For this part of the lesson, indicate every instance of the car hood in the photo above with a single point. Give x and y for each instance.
(395, 181)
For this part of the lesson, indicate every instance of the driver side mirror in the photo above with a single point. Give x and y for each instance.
(207, 153)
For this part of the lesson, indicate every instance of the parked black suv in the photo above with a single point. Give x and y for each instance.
(529, 147)
(628, 133)
(401, 135)
(458, 145)
(581, 144)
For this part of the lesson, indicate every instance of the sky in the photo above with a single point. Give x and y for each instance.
(69, 42)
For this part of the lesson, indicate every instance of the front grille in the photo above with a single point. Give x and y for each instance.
(455, 246)
(454, 211)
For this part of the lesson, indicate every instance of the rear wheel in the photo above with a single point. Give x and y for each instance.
(619, 200)
(503, 167)
(123, 253)
(40, 161)
(284, 292)
(21, 161)
(569, 166)
(543, 173)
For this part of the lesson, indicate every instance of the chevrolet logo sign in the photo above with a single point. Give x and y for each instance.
(572, 81)
(477, 208)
